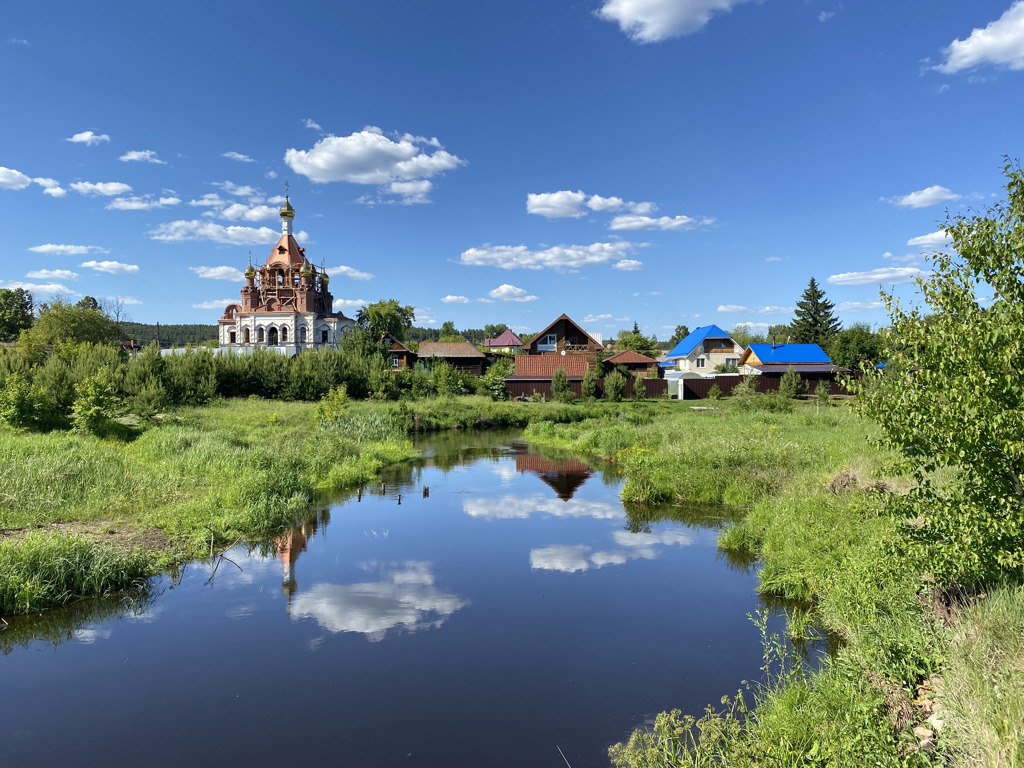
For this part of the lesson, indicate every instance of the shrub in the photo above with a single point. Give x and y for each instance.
(96, 402)
(560, 389)
(792, 385)
(589, 386)
(21, 404)
(333, 407)
(614, 386)
(715, 393)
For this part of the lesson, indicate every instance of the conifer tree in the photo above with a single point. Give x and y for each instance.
(815, 322)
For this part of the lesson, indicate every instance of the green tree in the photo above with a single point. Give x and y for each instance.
(495, 330)
(952, 396)
(637, 342)
(15, 312)
(614, 386)
(779, 334)
(96, 402)
(386, 316)
(560, 389)
(744, 335)
(791, 385)
(815, 322)
(494, 379)
(589, 386)
(855, 346)
(449, 333)
(60, 323)
(680, 333)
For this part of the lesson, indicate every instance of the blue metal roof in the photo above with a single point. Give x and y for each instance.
(687, 345)
(790, 353)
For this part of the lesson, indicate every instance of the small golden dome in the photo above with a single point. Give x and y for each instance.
(306, 269)
(287, 212)
(325, 278)
(250, 272)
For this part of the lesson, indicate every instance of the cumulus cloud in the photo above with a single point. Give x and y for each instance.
(185, 230)
(455, 300)
(240, 212)
(50, 187)
(633, 222)
(89, 138)
(934, 240)
(238, 156)
(128, 300)
(909, 258)
(566, 204)
(219, 273)
(887, 275)
(605, 317)
(559, 257)
(52, 274)
(628, 265)
(146, 203)
(350, 306)
(209, 200)
(650, 21)
(506, 292)
(1000, 44)
(53, 249)
(309, 123)
(923, 197)
(628, 546)
(237, 190)
(519, 507)
(110, 267)
(859, 306)
(756, 310)
(214, 304)
(371, 158)
(40, 289)
(141, 156)
(101, 188)
(350, 272)
(12, 179)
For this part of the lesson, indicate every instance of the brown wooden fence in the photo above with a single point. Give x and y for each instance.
(527, 388)
(697, 389)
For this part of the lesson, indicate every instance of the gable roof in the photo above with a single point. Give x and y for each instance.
(543, 367)
(564, 316)
(697, 336)
(629, 356)
(786, 353)
(448, 349)
(505, 339)
(396, 345)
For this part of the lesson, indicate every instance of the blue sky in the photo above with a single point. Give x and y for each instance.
(656, 161)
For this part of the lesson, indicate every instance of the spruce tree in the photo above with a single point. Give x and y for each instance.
(815, 323)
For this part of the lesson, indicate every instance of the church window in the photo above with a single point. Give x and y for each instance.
(259, 335)
(302, 334)
(323, 336)
(272, 337)
(284, 335)
(245, 336)
(231, 337)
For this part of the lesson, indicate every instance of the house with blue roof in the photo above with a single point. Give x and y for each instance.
(809, 360)
(703, 350)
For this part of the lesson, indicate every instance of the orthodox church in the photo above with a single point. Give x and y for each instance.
(286, 304)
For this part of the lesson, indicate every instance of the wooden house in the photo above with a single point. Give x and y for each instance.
(638, 366)
(459, 354)
(401, 356)
(565, 338)
(506, 343)
(809, 360)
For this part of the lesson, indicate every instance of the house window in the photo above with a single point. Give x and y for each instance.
(245, 336)
(284, 335)
(700, 362)
(394, 360)
(259, 335)
(732, 361)
(548, 343)
(572, 340)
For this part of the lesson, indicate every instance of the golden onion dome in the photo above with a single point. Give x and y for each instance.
(325, 278)
(306, 270)
(250, 272)
(287, 212)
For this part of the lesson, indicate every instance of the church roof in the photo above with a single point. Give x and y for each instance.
(286, 252)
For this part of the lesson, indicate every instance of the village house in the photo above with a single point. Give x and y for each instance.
(506, 343)
(809, 360)
(637, 365)
(703, 350)
(286, 305)
(564, 337)
(400, 355)
(459, 354)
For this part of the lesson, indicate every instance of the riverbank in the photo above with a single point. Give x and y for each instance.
(816, 488)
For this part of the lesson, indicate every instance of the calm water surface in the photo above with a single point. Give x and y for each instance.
(513, 607)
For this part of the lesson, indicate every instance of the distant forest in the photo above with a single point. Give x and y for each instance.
(170, 335)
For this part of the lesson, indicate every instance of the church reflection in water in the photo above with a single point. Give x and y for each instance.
(291, 544)
(563, 476)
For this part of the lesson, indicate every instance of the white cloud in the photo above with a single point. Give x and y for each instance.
(455, 300)
(369, 157)
(52, 274)
(141, 156)
(506, 292)
(350, 272)
(425, 317)
(603, 318)
(650, 21)
(103, 188)
(309, 123)
(412, 192)
(774, 258)
(888, 275)
(910, 258)
(41, 289)
(238, 156)
(859, 306)
(519, 507)
(181, 231)
(209, 200)
(756, 310)
(556, 205)
(559, 257)
(634, 222)
(12, 179)
(214, 304)
(219, 273)
(127, 300)
(629, 546)
(1001, 43)
(604, 204)
(934, 240)
(240, 212)
(110, 267)
(50, 187)
(628, 265)
(146, 203)
(923, 197)
(350, 306)
(237, 190)
(67, 250)
(89, 138)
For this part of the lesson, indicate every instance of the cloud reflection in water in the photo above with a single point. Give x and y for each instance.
(403, 598)
(511, 507)
(630, 546)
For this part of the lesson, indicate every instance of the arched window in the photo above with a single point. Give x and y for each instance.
(259, 335)
(272, 337)
(302, 334)
(245, 336)
(284, 335)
